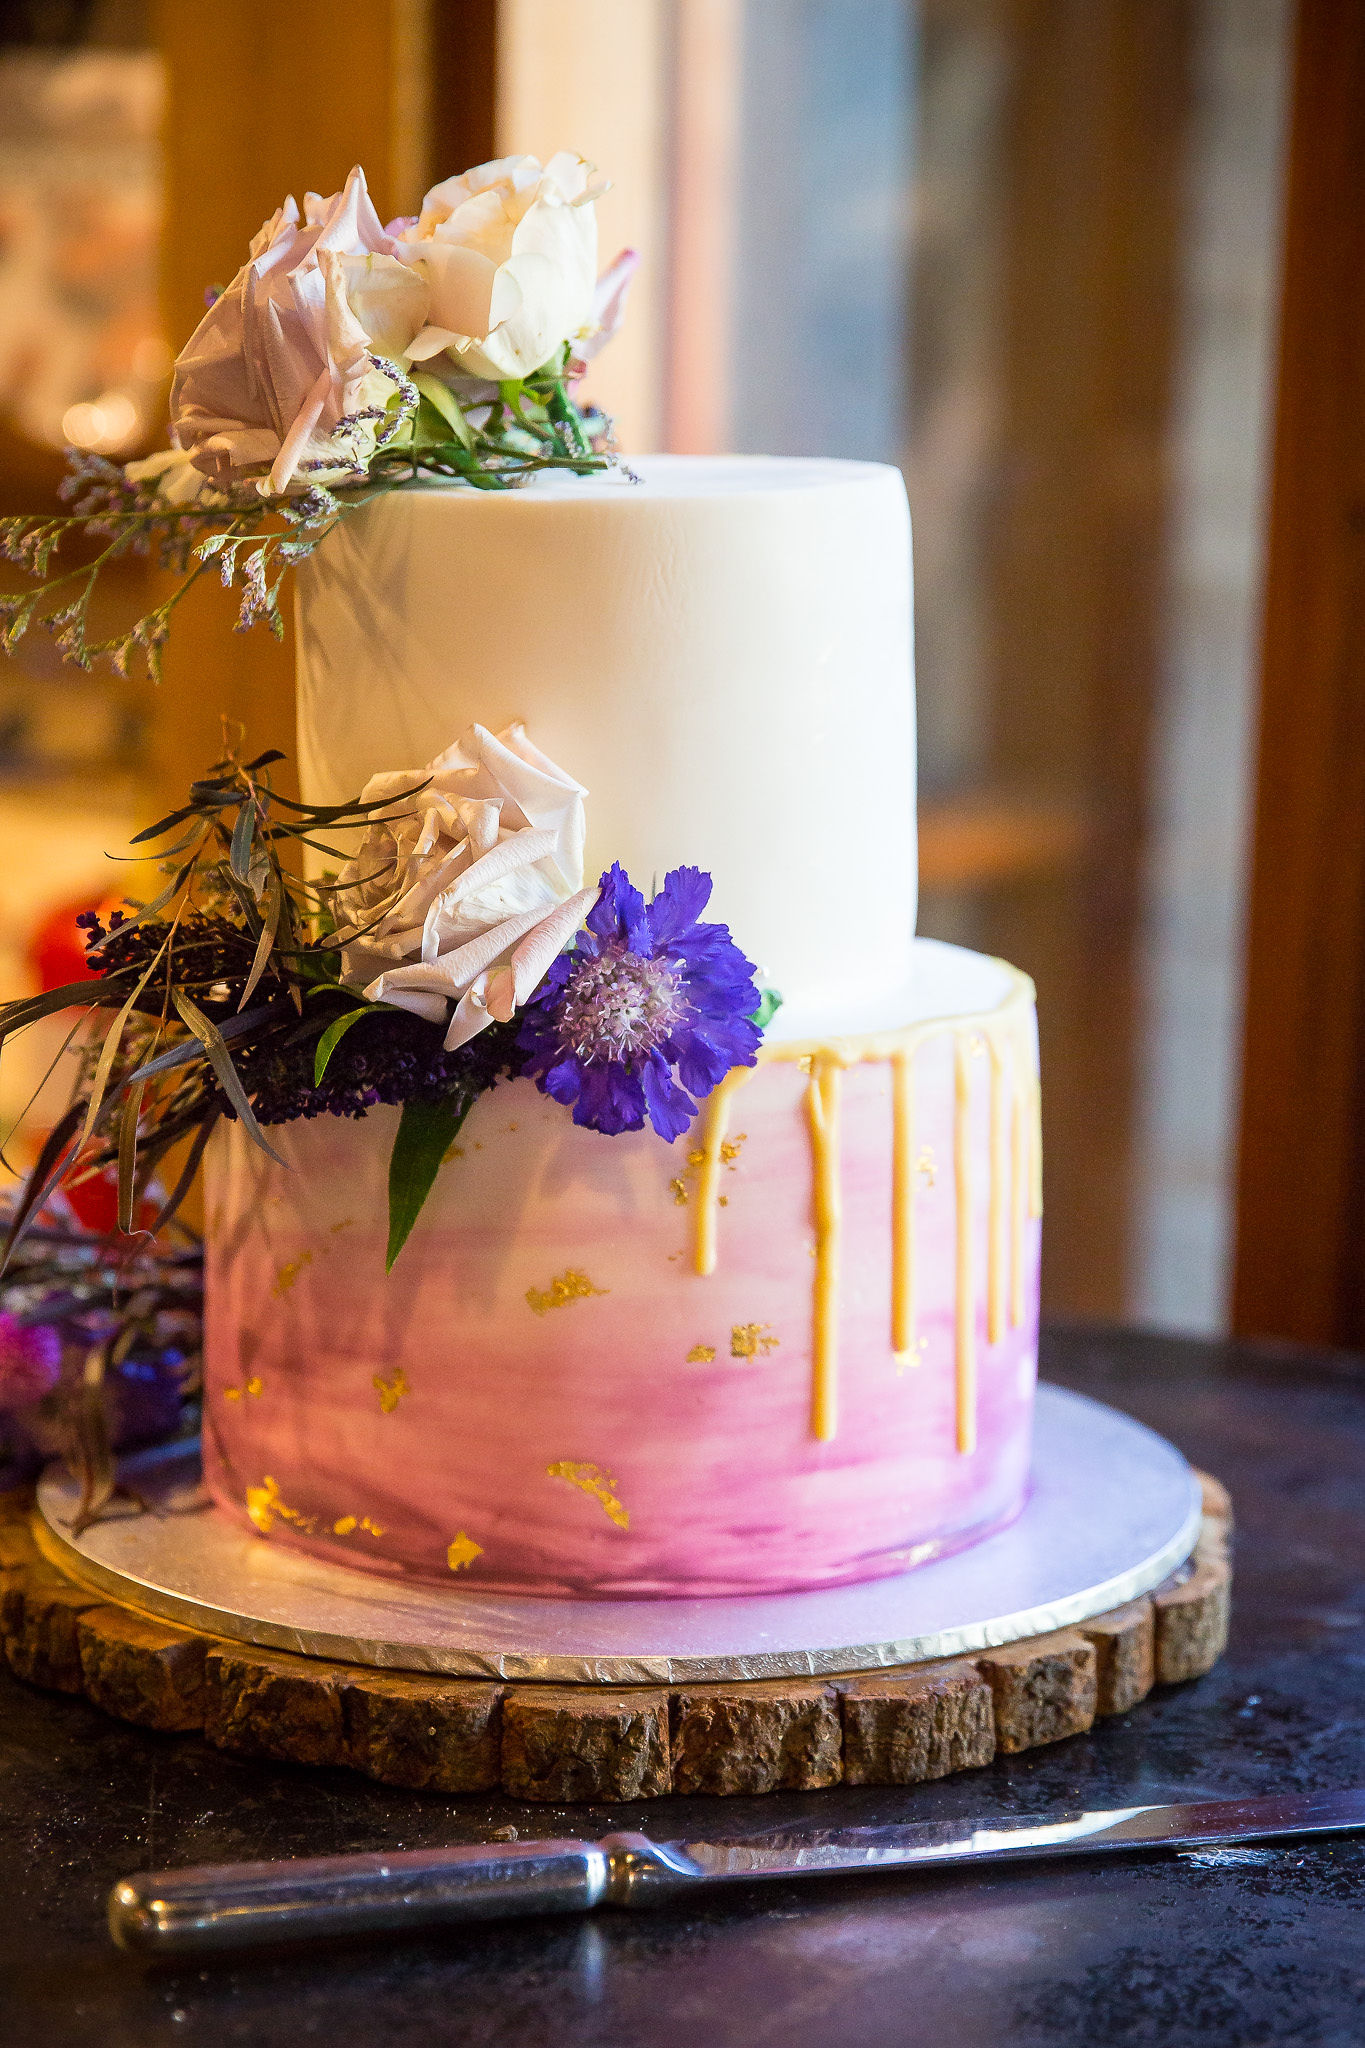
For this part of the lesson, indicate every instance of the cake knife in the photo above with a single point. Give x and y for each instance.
(194, 1911)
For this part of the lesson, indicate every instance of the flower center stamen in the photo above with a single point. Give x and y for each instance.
(620, 1005)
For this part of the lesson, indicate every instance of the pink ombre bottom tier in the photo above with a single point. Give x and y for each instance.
(545, 1396)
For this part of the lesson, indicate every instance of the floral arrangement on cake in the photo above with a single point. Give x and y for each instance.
(344, 360)
(453, 944)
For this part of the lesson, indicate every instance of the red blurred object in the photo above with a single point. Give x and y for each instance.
(94, 1203)
(56, 951)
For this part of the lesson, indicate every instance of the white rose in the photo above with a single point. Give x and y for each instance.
(465, 892)
(509, 254)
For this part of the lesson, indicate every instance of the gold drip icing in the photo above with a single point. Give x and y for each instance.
(903, 1208)
(1014, 1194)
(964, 1366)
(824, 1088)
(713, 1156)
(999, 1187)
(1018, 1202)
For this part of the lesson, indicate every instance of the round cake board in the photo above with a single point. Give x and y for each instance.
(1112, 1510)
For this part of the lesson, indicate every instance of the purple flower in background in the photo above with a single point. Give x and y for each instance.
(647, 1011)
(30, 1361)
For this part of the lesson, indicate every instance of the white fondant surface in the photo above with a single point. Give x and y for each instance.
(721, 653)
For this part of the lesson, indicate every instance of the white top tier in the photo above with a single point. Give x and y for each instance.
(721, 653)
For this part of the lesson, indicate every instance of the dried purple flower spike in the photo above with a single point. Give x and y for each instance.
(649, 1009)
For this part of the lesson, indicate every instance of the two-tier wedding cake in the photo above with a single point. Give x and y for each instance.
(796, 1345)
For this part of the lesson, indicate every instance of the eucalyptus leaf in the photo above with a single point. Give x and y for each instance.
(129, 1113)
(171, 1206)
(426, 1131)
(58, 1151)
(239, 859)
(220, 1059)
(109, 1052)
(274, 904)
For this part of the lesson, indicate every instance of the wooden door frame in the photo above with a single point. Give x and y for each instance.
(1300, 1247)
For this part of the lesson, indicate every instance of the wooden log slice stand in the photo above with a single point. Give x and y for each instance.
(594, 1743)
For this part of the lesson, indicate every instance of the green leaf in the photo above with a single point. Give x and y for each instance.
(274, 900)
(426, 1131)
(26, 1010)
(163, 824)
(769, 1005)
(333, 1035)
(220, 1059)
(443, 400)
(171, 1206)
(58, 1151)
(239, 858)
(129, 1113)
(109, 1052)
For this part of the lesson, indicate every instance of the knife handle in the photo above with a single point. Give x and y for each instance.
(210, 1906)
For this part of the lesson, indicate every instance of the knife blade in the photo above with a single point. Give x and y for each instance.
(213, 1907)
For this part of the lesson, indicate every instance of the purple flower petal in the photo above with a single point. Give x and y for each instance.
(681, 901)
(610, 1099)
(619, 912)
(670, 1110)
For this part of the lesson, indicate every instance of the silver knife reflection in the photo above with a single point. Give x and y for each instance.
(236, 1905)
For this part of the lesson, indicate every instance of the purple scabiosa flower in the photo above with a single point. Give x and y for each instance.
(30, 1360)
(648, 1010)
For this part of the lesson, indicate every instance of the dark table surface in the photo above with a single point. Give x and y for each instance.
(1226, 1949)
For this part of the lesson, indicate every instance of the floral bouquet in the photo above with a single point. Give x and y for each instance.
(344, 360)
(451, 945)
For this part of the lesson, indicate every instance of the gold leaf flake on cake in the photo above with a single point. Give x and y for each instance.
(564, 1288)
(462, 1552)
(593, 1480)
(701, 1354)
(348, 1524)
(253, 1387)
(289, 1272)
(927, 1165)
(346, 1223)
(452, 1151)
(265, 1507)
(391, 1391)
(729, 1154)
(752, 1340)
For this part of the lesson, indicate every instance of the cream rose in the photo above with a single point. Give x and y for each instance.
(275, 374)
(508, 252)
(464, 893)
